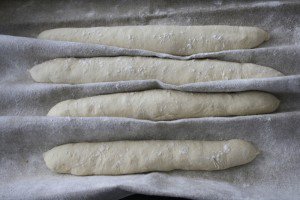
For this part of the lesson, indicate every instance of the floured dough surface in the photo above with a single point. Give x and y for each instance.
(112, 69)
(176, 40)
(167, 105)
(127, 157)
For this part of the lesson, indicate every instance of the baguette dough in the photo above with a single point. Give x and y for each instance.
(127, 157)
(177, 40)
(167, 105)
(110, 69)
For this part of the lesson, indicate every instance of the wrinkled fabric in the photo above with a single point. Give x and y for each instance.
(26, 133)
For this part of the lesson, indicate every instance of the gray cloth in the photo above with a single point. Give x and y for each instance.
(25, 132)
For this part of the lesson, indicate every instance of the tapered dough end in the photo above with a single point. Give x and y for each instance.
(38, 74)
(274, 73)
(269, 73)
(48, 160)
(55, 157)
(261, 103)
(33, 73)
(242, 152)
(51, 71)
(50, 34)
(266, 35)
(272, 103)
(259, 36)
(43, 35)
(60, 109)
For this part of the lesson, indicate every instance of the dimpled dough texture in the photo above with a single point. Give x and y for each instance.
(167, 105)
(110, 69)
(127, 157)
(177, 40)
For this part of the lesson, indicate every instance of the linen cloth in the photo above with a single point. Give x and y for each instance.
(26, 133)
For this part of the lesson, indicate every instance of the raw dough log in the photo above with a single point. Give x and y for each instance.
(109, 69)
(167, 105)
(127, 157)
(177, 40)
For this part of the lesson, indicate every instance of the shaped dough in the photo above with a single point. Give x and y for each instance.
(167, 105)
(177, 40)
(127, 157)
(109, 69)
